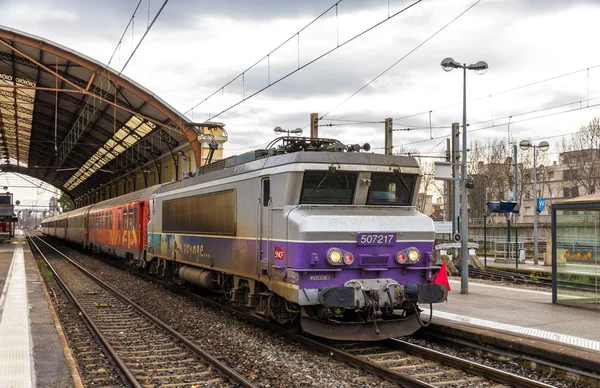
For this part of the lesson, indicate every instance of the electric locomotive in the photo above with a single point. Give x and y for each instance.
(307, 231)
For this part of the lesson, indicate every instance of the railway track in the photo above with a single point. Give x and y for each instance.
(430, 368)
(396, 361)
(147, 352)
(519, 278)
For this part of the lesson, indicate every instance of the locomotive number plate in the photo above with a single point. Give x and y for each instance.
(376, 239)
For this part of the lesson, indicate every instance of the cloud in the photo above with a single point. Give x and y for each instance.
(197, 47)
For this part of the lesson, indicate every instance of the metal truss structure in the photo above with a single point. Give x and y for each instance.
(70, 121)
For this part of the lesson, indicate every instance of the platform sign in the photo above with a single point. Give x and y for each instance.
(443, 227)
(442, 171)
(541, 204)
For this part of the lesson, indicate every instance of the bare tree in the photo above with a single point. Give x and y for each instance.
(581, 155)
(429, 186)
(490, 165)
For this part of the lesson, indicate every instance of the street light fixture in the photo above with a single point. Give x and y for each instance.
(543, 146)
(296, 131)
(448, 64)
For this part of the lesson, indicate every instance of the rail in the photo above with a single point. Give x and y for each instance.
(210, 359)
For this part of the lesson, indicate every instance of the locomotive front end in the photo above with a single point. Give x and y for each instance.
(360, 253)
(369, 288)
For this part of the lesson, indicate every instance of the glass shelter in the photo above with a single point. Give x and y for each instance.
(576, 252)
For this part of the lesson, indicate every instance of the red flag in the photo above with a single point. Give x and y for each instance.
(442, 277)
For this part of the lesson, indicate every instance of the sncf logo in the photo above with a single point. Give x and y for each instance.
(279, 254)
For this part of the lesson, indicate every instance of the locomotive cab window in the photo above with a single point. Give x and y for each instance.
(394, 189)
(328, 187)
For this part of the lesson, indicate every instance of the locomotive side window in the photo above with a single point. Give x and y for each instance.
(391, 189)
(266, 193)
(212, 214)
(326, 187)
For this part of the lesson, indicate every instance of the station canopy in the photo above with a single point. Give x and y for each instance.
(70, 121)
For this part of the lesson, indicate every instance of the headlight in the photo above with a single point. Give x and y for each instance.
(334, 256)
(400, 257)
(413, 255)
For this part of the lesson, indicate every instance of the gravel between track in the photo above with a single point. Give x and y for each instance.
(267, 359)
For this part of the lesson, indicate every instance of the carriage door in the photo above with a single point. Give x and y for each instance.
(264, 231)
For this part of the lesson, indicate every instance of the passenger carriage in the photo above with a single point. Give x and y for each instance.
(118, 226)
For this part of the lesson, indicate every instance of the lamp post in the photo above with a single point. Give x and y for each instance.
(543, 146)
(480, 67)
(296, 131)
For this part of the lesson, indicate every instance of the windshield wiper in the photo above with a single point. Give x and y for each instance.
(399, 175)
(331, 169)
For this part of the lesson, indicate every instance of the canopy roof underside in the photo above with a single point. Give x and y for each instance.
(72, 122)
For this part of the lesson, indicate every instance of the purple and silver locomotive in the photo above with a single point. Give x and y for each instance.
(307, 231)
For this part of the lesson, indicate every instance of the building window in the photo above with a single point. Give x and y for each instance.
(565, 192)
(574, 192)
(551, 175)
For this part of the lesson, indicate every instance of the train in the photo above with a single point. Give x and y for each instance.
(7, 217)
(307, 232)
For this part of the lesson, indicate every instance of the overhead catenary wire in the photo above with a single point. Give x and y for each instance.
(143, 36)
(492, 119)
(517, 121)
(267, 56)
(105, 68)
(502, 92)
(303, 66)
(402, 58)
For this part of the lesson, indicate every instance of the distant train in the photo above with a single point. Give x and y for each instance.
(307, 230)
(7, 217)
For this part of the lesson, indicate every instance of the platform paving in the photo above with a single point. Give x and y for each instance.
(31, 351)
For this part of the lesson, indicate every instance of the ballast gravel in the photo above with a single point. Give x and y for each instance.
(267, 359)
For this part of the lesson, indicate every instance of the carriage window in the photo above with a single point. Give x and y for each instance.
(130, 220)
(119, 219)
(125, 219)
(391, 189)
(110, 220)
(135, 218)
(328, 187)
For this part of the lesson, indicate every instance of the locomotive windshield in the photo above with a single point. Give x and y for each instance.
(391, 189)
(326, 187)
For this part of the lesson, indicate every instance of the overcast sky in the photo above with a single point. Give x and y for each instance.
(195, 47)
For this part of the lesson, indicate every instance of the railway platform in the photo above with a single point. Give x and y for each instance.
(33, 351)
(521, 320)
